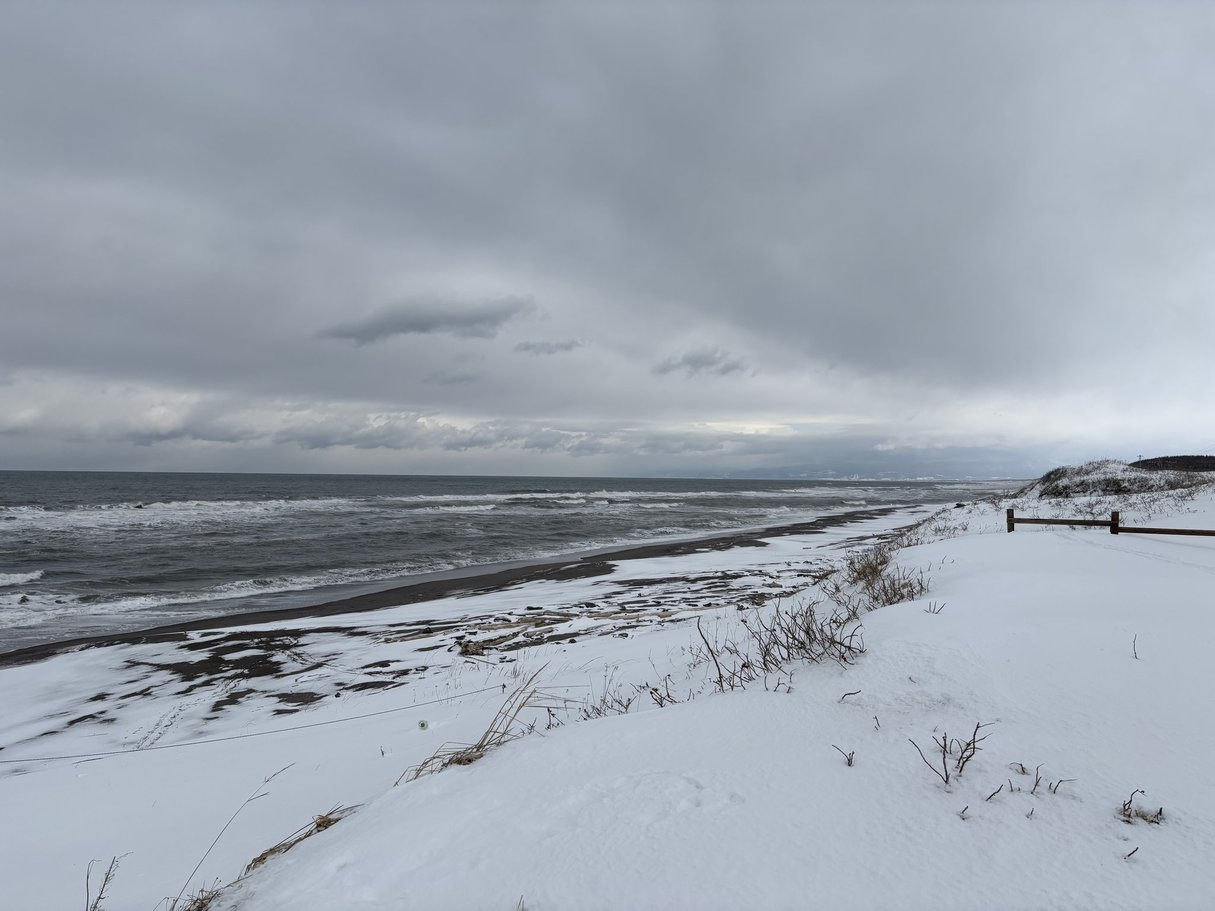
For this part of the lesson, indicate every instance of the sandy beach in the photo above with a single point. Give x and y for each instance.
(474, 580)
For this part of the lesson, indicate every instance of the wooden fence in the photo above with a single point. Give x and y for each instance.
(1111, 523)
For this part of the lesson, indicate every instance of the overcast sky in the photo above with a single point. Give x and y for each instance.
(606, 238)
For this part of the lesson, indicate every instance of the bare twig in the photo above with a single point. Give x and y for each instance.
(802, 633)
(967, 749)
(941, 773)
(993, 793)
(664, 697)
(1135, 652)
(1127, 811)
(848, 757)
(846, 695)
(721, 685)
(1132, 854)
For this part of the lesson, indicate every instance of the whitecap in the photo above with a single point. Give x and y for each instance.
(7, 579)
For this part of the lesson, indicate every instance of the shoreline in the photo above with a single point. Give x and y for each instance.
(469, 581)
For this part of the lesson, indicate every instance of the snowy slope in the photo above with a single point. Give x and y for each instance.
(740, 800)
(1085, 654)
(197, 723)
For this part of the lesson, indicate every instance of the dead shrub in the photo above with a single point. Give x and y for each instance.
(871, 580)
(733, 664)
(801, 633)
(946, 747)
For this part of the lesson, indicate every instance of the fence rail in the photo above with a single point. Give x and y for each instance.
(1112, 523)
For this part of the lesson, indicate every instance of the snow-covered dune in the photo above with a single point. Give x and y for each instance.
(1082, 656)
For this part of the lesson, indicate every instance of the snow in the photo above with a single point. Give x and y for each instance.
(1084, 653)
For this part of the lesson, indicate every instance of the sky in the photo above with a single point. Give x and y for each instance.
(615, 238)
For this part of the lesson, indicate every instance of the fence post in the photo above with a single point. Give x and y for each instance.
(1011, 521)
(1114, 522)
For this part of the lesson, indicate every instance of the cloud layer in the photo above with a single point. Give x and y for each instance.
(586, 239)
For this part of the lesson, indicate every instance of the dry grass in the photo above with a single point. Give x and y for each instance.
(1111, 478)
(199, 901)
(91, 902)
(610, 699)
(1129, 813)
(505, 727)
(870, 579)
(318, 824)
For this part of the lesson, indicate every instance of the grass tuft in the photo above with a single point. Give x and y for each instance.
(318, 824)
(94, 902)
(504, 728)
(1129, 813)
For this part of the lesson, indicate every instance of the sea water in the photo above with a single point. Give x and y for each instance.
(89, 553)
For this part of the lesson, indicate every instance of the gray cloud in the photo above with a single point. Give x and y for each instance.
(918, 225)
(545, 348)
(433, 317)
(703, 360)
(454, 377)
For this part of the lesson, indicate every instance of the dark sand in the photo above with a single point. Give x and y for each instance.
(473, 580)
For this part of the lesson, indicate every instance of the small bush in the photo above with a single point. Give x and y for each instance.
(801, 633)
(870, 580)
(946, 747)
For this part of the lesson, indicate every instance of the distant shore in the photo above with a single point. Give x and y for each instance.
(468, 581)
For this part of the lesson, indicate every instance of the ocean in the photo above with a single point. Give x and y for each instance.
(93, 553)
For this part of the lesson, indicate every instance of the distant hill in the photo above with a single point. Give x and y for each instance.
(1177, 463)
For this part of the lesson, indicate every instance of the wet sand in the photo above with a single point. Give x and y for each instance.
(474, 580)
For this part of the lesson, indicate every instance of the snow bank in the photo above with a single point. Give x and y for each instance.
(1083, 654)
(1086, 654)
